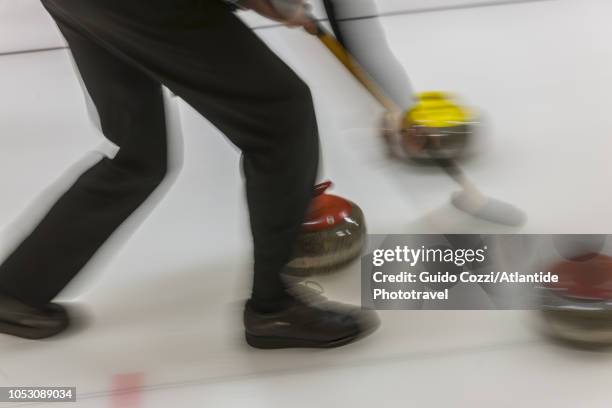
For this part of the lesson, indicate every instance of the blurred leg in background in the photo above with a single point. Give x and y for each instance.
(130, 106)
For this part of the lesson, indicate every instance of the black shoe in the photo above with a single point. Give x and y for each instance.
(21, 320)
(318, 323)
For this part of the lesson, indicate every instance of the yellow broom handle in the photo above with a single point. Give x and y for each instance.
(353, 66)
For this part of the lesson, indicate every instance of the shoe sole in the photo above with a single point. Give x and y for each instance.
(31, 333)
(267, 343)
(34, 327)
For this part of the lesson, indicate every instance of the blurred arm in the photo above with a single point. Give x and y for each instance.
(365, 39)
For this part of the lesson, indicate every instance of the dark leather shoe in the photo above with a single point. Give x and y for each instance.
(21, 320)
(318, 324)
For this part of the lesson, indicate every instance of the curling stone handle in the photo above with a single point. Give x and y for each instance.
(320, 189)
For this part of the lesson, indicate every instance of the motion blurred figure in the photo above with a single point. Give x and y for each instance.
(356, 26)
(125, 51)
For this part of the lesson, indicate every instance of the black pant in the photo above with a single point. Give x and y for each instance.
(125, 50)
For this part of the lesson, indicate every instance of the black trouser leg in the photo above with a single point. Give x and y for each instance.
(130, 106)
(207, 56)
